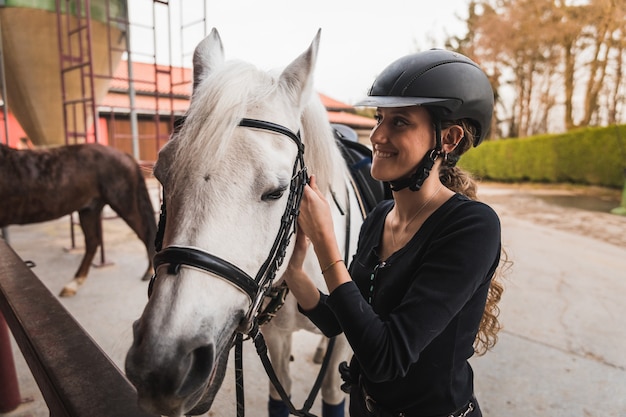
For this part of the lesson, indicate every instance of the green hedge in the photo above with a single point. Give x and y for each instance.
(592, 156)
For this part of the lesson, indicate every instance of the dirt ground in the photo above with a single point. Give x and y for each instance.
(560, 352)
(558, 207)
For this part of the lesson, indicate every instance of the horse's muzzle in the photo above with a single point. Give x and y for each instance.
(173, 384)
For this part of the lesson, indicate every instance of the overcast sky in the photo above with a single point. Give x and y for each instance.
(359, 37)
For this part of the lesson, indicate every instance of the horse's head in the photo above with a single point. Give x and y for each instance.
(226, 191)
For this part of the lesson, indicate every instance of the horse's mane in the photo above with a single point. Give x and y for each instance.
(235, 87)
(322, 156)
(215, 111)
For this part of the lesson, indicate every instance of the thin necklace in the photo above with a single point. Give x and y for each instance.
(393, 235)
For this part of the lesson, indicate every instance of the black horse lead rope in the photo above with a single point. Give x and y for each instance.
(273, 262)
(261, 348)
(241, 404)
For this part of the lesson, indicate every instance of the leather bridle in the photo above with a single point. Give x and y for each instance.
(255, 288)
(260, 286)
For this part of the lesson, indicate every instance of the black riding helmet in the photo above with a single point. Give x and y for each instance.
(450, 85)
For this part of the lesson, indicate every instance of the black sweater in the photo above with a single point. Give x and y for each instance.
(412, 343)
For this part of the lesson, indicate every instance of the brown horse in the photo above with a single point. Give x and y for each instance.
(43, 185)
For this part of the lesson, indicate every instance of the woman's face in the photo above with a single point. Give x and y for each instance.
(400, 140)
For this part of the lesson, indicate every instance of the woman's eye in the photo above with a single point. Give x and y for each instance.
(273, 195)
(399, 122)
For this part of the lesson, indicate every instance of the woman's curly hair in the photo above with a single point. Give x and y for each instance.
(461, 181)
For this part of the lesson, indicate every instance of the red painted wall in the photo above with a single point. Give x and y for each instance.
(15, 133)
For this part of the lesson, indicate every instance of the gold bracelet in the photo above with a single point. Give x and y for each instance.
(330, 265)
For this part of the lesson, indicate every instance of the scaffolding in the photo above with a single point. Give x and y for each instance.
(85, 119)
(76, 51)
(3, 97)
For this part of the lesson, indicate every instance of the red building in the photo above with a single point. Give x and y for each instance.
(161, 94)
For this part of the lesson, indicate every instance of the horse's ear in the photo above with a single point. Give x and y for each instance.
(208, 55)
(297, 77)
(165, 157)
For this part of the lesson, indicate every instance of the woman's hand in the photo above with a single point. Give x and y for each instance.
(315, 218)
(316, 222)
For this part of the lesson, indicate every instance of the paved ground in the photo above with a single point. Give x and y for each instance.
(561, 352)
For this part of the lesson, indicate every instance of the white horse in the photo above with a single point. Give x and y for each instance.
(226, 181)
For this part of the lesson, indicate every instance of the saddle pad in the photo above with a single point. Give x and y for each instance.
(358, 158)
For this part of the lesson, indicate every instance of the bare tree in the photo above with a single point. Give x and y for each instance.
(542, 55)
(615, 97)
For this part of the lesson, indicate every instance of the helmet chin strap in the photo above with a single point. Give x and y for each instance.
(422, 171)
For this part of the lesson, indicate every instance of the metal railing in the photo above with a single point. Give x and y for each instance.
(75, 377)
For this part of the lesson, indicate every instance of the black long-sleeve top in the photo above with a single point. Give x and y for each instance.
(413, 340)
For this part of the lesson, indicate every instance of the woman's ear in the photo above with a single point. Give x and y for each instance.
(451, 137)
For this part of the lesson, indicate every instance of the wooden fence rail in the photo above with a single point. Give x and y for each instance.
(76, 378)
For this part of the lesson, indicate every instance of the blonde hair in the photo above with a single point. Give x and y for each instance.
(462, 182)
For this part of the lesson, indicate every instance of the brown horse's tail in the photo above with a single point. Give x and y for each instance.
(148, 222)
(130, 199)
(144, 203)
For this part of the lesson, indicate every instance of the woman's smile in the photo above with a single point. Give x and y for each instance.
(383, 154)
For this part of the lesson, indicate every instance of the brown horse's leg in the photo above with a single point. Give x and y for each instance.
(91, 223)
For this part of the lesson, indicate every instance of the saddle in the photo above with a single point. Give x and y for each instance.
(358, 158)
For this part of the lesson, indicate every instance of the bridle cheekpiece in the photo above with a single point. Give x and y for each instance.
(255, 288)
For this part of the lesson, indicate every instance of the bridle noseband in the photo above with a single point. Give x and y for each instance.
(255, 288)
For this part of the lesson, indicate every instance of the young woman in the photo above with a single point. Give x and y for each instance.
(418, 299)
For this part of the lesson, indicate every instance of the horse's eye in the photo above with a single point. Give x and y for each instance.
(274, 194)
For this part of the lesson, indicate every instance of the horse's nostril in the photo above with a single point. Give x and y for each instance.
(200, 367)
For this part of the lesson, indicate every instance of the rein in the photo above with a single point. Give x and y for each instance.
(256, 288)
